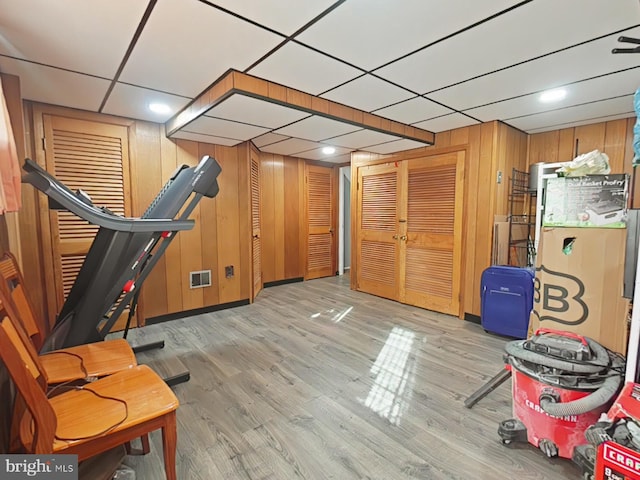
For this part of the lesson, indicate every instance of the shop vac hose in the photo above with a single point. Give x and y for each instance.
(585, 404)
(601, 361)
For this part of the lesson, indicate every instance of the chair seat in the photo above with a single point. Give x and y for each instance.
(83, 416)
(98, 360)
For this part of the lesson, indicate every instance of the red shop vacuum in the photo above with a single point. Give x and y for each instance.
(561, 383)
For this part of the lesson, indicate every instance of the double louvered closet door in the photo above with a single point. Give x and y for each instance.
(409, 235)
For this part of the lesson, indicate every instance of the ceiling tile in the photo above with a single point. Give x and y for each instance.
(446, 122)
(57, 87)
(199, 137)
(368, 93)
(509, 39)
(360, 139)
(614, 106)
(186, 45)
(393, 147)
(291, 146)
(87, 37)
(301, 68)
(583, 122)
(224, 128)
(413, 110)
(284, 16)
(268, 139)
(317, 128)
(614, 85)
(241, 108)
(369, 33)
(316, 154)
(568, 66)
(133, 102)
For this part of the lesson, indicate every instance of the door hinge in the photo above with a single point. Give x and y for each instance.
(44, 144)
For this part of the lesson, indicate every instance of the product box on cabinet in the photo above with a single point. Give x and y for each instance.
(579, 282)
(589, 201)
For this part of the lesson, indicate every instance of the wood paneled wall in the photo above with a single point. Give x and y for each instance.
(216, 240)
(615, 138)
(219, 239)
(490, 147)
(282, 233)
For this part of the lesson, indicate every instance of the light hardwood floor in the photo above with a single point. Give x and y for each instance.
(317, 381)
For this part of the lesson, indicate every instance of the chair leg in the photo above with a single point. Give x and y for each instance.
(143, 450)
(169, 441)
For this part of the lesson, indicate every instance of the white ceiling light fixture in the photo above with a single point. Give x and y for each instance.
(328, 150)
(161, 108)
(554, 95)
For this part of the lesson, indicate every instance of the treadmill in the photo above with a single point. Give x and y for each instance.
(123, 252)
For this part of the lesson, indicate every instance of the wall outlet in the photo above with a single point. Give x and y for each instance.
(200, 279)
(228, 271)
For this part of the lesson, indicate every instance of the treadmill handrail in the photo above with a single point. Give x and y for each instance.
(46, 183)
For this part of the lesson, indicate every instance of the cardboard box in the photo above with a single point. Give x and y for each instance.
(579, 282)
(589, 201)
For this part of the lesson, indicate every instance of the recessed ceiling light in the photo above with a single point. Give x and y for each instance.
(159, 108)
(328, 150)
(554, 95)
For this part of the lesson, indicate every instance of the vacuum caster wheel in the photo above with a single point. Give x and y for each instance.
(512, 430)
(548, 448)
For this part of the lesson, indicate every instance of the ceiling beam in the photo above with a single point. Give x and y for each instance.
(238, 83)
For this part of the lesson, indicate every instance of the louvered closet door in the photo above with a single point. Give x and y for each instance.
(93, 157)
(256, 245)
(321, 255)
(431, 246)
(377, 252)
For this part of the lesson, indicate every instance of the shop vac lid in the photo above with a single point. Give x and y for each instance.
(567, 345)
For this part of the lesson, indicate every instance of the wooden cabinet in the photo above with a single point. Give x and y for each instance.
(409, 238)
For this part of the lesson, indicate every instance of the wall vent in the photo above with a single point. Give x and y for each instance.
(200, 279)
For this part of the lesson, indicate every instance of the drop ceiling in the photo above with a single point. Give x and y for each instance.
(429, 64)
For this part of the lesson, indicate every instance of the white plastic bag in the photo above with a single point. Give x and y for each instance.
(592, 163)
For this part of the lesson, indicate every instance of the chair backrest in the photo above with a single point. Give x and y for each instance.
(29, 378)
(11, 277)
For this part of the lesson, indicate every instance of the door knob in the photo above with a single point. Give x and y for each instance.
(395, 237)
(403, 237)
(256, 236)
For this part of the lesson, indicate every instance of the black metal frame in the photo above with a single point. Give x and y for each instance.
(123, 252)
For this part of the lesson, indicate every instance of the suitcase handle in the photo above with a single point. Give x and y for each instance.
(562, 333)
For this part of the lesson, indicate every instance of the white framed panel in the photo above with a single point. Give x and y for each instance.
(57, 87)
(602, 87)
(212, 139)
(413, 110)
(368, 93)
(585, 61)
(241, 108)
(291, 146)
(133, 102)
(299, 67)
(317, 128)
(87, 37)
(446, 122)
(534, 29)
(285, 16)
(370, 33)
(224, 128)
(589, 111)
(396, 146)
(186, 45)
(360, 139)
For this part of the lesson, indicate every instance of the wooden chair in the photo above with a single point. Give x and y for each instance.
(68, 364)
(89, 419)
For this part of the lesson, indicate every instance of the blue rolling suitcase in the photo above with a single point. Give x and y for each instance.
(506, 300)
